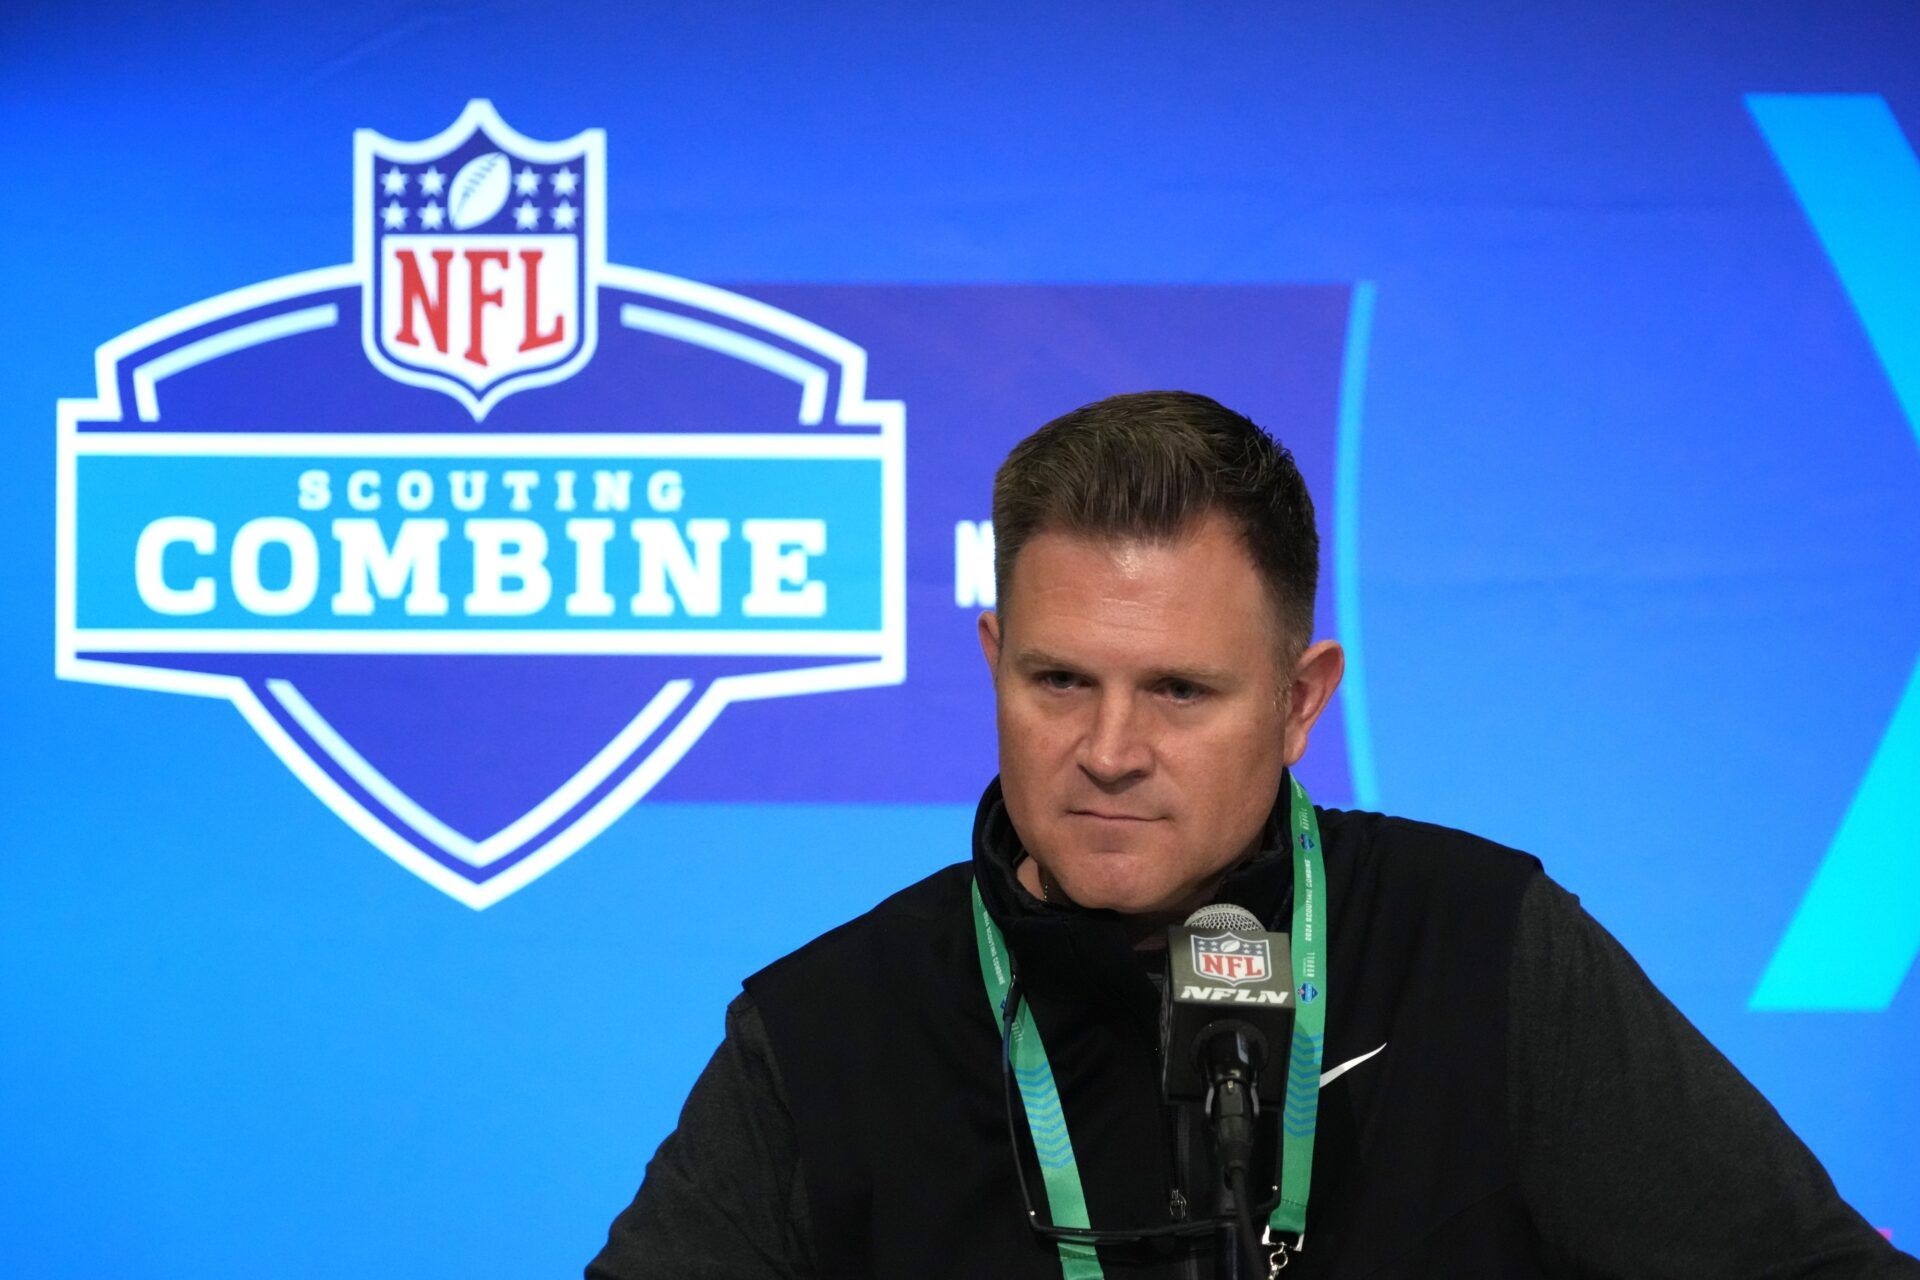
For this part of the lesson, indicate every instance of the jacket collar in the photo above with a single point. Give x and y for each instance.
(1080, 959)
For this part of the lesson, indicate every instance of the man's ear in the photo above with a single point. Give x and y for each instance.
(1315, 677)
(990, 642)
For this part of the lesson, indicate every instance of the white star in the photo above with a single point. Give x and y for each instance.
(432, 216)
(393, 182)
(564, 216)
(394, 216)
(526, 216)
(526, 183)
(564, 182)
(433, 182)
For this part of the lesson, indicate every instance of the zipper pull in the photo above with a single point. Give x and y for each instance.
(1177, 1205)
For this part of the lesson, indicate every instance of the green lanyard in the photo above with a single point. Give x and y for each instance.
(1046, 1121)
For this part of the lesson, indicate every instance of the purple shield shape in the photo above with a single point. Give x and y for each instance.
(480, 643)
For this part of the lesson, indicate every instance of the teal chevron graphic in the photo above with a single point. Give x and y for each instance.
(1857, 932)
(1045, 1120)
(1303, 1086)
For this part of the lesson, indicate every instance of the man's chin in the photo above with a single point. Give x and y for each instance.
(1157, 911)
(1108, 888)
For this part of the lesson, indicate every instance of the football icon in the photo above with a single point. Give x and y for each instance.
(479, 190)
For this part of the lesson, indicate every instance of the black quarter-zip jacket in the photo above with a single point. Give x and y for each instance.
(1537, 1108)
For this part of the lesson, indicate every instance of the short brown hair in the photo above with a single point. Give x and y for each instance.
(1149, 465)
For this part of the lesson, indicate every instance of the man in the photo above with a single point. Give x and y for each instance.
(1502, 1093)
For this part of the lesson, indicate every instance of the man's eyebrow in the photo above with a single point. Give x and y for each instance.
(1032, 659)
(1027, 656)
(1039, 657)
(1214, 676)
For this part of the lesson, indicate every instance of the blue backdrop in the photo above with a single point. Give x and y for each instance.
(1593, 326)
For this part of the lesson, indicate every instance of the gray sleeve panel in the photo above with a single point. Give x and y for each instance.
(1642, 1152)
(722, 1198)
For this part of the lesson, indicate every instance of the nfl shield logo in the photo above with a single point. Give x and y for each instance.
(478, 251)
(1232, 959)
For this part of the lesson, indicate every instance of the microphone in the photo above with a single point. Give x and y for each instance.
(1226, 1024)
(1226, 976)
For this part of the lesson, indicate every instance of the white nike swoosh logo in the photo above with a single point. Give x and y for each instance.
(1328, 1077)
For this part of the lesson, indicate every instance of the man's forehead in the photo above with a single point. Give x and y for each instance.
(1119, 542)
(1195, 608)
(1211, 536)
(1203, 566)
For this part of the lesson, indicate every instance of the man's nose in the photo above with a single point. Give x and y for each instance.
(1115, 748)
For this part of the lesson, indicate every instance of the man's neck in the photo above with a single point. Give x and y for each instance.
(1145, 932)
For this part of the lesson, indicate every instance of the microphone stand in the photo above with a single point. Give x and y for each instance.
(1231, 1055)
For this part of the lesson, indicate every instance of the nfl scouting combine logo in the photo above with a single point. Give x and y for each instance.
(480, 532)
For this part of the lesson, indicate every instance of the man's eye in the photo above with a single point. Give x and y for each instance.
(1061, 680)
(1183, 690)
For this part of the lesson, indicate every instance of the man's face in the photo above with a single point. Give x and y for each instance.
(1143, 712)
